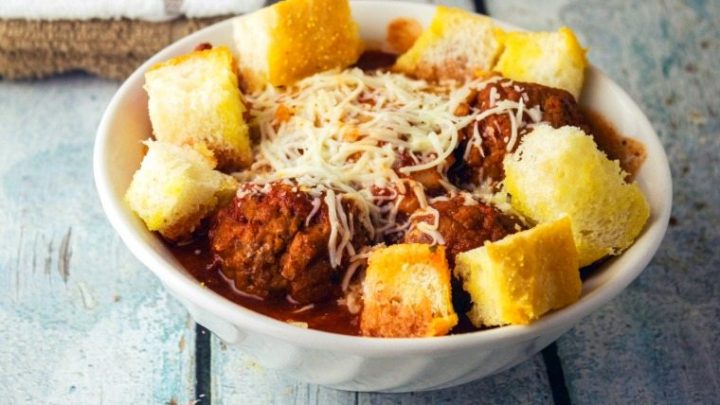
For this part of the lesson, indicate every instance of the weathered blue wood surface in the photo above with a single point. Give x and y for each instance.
(83, 322)
(659, 341)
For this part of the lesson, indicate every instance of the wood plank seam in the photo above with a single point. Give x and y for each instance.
(556, 376)
(480, 7)
(203, 365)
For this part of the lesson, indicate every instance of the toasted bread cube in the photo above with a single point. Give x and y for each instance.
(407, 292)
(195, 98)
(293, 39)
(558, 172)
(521, 277)
(457, 45)
(176, 187)
(554, 59)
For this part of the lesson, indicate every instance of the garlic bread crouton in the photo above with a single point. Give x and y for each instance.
(406, 292)
(553, 59)
(558, 172)
(195, 98)
(176, 187)
(457, 45)
(293, 39)
(521, 277)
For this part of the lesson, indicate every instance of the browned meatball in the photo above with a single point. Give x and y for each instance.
(268, 247)
(558, 108)
(464, 227)
(431, 179)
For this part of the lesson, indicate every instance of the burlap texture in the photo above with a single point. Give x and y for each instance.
(107, 48)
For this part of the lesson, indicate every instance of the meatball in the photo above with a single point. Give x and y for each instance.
(275, 243)
(557, 107)
(464, 227)
(431, 179)
(404, 203)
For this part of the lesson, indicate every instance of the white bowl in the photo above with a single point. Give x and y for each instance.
(358, 363)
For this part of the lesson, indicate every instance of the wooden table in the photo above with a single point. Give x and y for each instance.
(84, 322)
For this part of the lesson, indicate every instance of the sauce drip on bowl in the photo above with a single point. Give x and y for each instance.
(628, 151)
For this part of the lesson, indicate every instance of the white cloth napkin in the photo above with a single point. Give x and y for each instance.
(149, 10)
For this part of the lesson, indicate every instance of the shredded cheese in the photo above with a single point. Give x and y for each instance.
(304, 308)
(340, 136)
(316, 203)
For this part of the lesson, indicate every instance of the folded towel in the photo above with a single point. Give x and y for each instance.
(148, 10)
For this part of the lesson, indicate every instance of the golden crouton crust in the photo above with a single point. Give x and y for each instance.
(606, 212)
(396, 304)
(182, 227)
(554, 59)
(304, 37)
(174, 88)
(176, 187)
(310, 39)
(523, 276)
(443, 52)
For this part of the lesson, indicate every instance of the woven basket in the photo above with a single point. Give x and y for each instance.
(107, 48)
